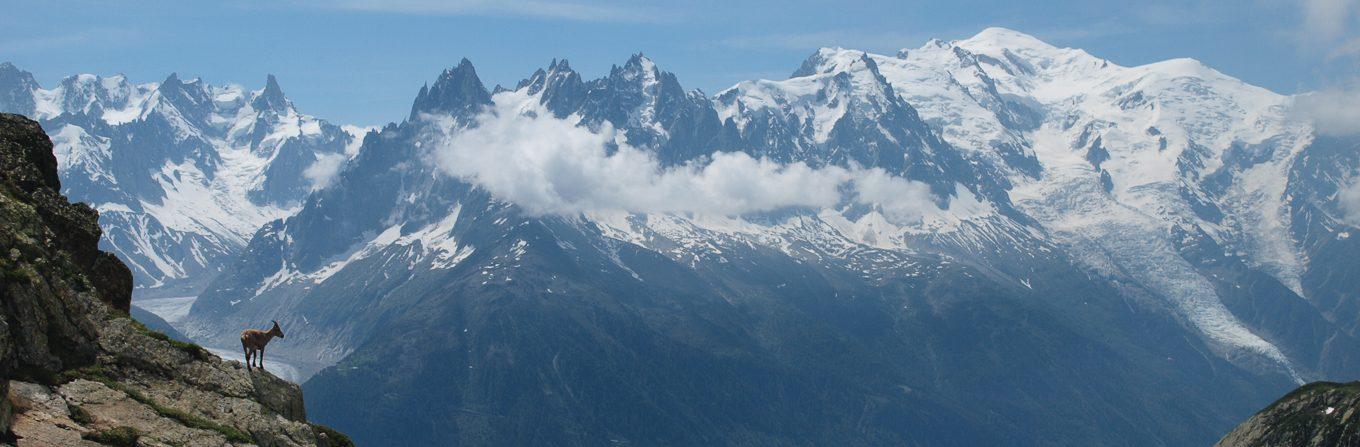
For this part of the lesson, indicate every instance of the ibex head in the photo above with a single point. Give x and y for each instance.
(276, 330)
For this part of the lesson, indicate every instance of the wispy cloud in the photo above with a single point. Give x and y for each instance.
(810, 41)
(324, 170)
(99, 37)
(1078, 33)
(1328, 20)
(1186, 13)
(1332, 28)
(548, 9)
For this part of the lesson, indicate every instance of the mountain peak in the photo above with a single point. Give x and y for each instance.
(458, 91)
(14, 78)
(1184, 67)
(271, 84)
(639, 59)
(1007, 38)
(271, 98)
(559, 65)
(639, 65)
(558, 71)
(462, 71)
(640, 72)
(1023, 53)
(832, 59)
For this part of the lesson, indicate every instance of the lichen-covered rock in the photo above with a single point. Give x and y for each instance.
(54, 274)
(26, 158)
(28, 165)
(75, 369)
(1314, 415)
(187, 379)
(42, 416)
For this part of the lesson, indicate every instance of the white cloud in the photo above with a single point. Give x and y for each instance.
(901, 200)
(92, 37)
(520, 153)
(324, 170)
(327, 166)
(1349, 199)
(1332, 28)
(357, 134)
(1332, 112)
(589, 11)
(812, 40)
(1328, 20)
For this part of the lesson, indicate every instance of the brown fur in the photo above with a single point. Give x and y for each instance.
(253, 341)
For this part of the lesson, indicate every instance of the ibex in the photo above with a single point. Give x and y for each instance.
(253, 341)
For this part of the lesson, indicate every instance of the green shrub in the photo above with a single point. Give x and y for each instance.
(79, 414)
(117, 436)
(188, 420)
(196, 351)
(94, 373)
(231, 433)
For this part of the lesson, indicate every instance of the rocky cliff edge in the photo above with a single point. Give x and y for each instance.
(75, 369)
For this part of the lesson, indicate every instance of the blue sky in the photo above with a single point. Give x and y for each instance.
(361, 61)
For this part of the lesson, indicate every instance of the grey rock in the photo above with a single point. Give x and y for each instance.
(85, 366)
(1315, 415)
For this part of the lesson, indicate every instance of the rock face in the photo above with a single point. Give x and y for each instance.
(1317, 414)
(75, 369)
(54, 274)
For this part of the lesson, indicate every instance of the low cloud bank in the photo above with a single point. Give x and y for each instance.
(520, 153)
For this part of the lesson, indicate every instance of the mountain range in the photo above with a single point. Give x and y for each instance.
(182, 172)
(1032, 245)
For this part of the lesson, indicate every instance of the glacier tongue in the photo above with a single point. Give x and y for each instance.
(1126, 243)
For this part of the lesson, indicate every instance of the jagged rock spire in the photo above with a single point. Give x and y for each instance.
(458, 91)
(271, 98)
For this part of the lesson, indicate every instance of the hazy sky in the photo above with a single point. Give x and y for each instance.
(362, 61)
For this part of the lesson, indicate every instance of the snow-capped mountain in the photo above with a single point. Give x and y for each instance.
(1108, 255)
(182, 172)
(1169, 175)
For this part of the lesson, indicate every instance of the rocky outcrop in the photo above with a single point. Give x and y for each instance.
(75, 369)
(1318, 414)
